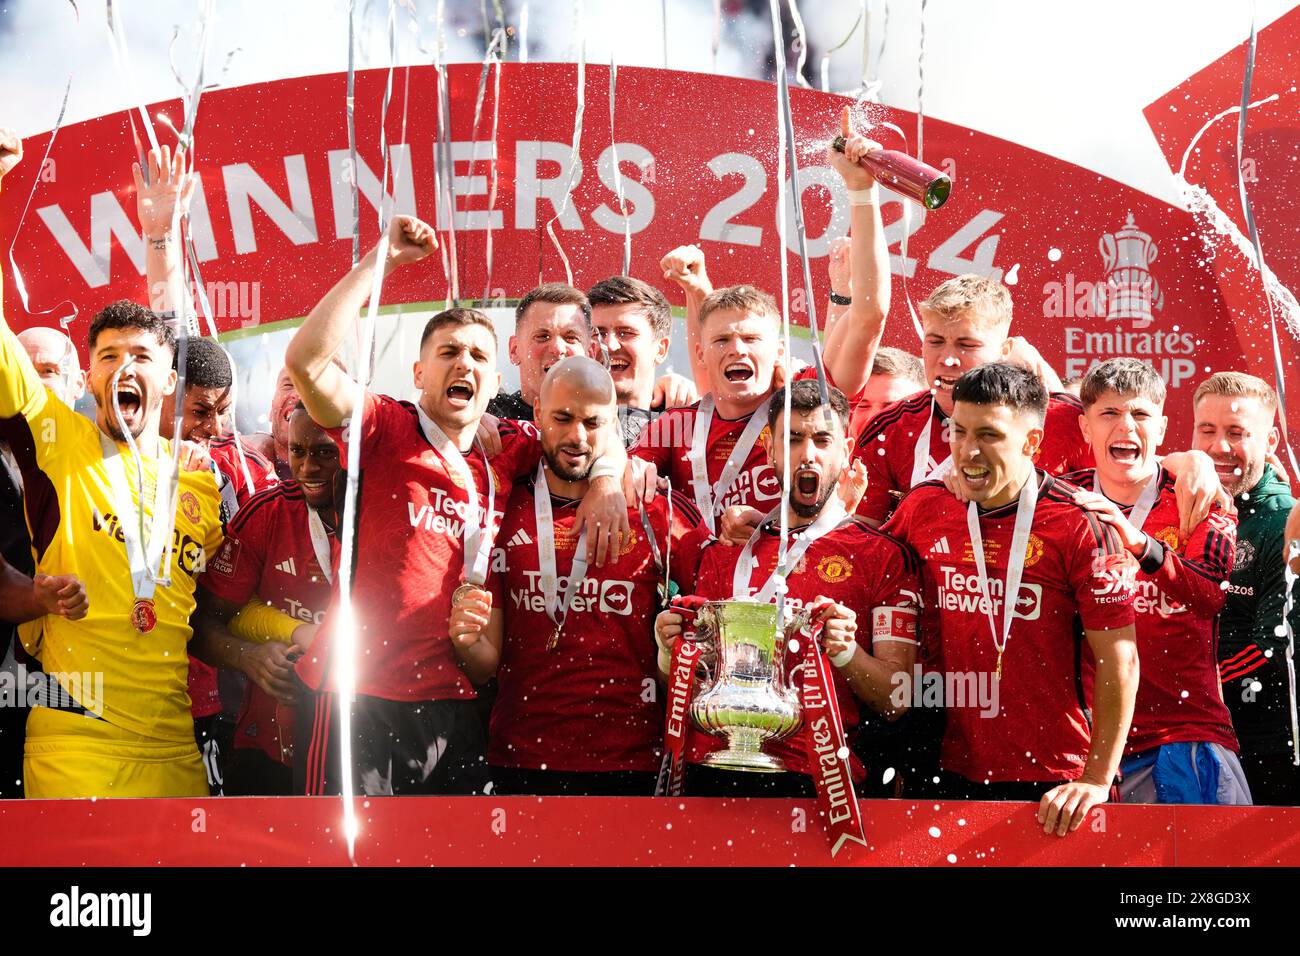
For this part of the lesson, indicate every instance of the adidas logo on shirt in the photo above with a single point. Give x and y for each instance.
(941, 546)
(520, 537)
(287, 567)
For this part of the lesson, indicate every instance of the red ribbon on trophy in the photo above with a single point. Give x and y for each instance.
(827, 747)
(681, 687)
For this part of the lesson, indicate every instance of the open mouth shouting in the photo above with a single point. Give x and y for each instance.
(807, 485)
(976, 477)
(738, 373)
(130, 401)
(619, 364)
(945, 383)
(460, 393)
(1124, 453)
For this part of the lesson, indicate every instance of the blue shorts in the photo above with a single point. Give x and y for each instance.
(1184, 773)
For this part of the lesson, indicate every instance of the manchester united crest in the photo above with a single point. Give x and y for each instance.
(834, 568)
(1033, 550)
(190, 506)
(1168, 537)
(1245, 555)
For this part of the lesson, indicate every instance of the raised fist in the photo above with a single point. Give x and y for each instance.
(685, 266)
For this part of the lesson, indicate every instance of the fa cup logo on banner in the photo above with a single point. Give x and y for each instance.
(1129, 291)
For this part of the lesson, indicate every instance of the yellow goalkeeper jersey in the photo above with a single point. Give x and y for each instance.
(144, 675)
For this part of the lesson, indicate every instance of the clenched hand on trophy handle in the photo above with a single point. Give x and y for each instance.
(671, 626)
(839, 629)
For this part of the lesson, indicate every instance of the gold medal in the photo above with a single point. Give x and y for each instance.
(458, 596)
(555, 639)
(143, 616)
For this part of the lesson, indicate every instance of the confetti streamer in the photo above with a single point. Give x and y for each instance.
(345, 647)
(349, 102)
(1293, 552)
(826, 57)
(717, 32)
(121, 56)
(920, 88)
(494, 54)
(618, 176)
(575, 160)
(791, 142)
(663, 18)
(443, 163)
(187, 324)
(778, 46)
(1279, 371)
(523, 33)
(19, 283)
(870, 90)
(800, 43)
(1248, 212)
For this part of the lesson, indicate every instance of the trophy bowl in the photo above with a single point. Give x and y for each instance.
(746, 699)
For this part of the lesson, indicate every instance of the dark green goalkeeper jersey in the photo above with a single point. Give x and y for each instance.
(1252, 639)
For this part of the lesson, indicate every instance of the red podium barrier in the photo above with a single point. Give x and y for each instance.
(581, 831)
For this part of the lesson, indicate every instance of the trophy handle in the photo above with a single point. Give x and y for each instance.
(707, 637)
(1109, 254)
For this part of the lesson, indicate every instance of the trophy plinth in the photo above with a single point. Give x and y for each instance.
(746, 700)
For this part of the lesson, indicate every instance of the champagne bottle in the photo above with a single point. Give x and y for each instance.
(905, 175)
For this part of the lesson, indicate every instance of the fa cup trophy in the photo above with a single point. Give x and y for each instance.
(745, 697)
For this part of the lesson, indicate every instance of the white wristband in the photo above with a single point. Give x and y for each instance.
(864, 197)
(602, 467)
(846, 655)
(665, 659)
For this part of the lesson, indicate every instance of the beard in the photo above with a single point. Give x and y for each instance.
(563, 471)
(813, 510)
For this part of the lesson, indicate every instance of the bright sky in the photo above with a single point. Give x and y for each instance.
(1069, 79)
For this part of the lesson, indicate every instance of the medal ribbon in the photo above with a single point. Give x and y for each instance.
(921, 454)
(681, 690)
(143, 549)
(1146, 501)
(826, 748)
(556, 609)
(478, 532)
(1015, 561)
(705, 494)
(320, 542)
(827, 521)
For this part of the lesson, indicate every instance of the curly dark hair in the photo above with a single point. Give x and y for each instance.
(125, 314)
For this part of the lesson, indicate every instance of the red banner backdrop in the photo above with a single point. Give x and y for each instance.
(1095, 268)
(589, 831)
(1272, 182)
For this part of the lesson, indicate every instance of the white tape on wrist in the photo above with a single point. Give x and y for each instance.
(864, 197)
(603, 468)
(843, 657)
(665, 659)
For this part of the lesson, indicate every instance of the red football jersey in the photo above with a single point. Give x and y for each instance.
(205, 697)
(225, 455)
(1177, 608)
(410, 553)
(887, 446)
(1030, 724)
(667, 443)
(592, 704)
(268, 552)
(853, 565)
